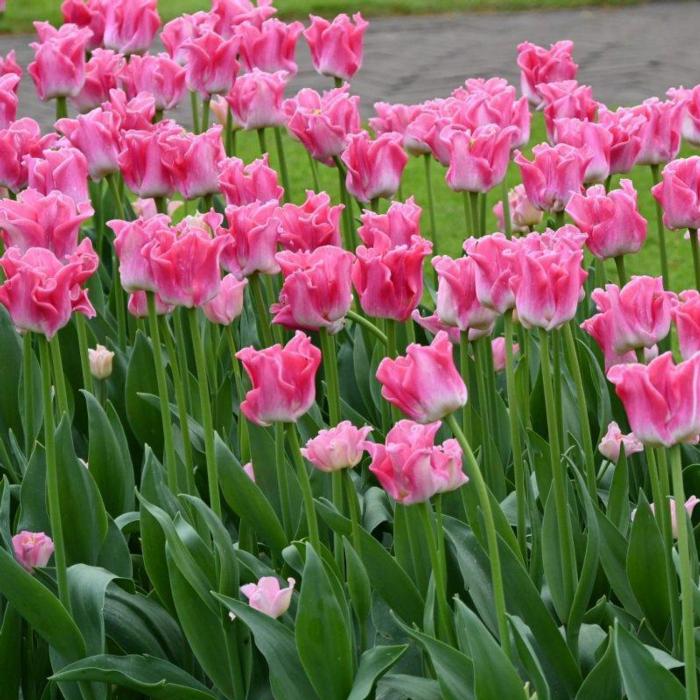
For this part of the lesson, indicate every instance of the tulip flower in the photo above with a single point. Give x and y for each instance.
(8, 64)
(211, 66)
(424, 384)
(592, 139)
(136, 114)
(102, 72)
(138, 305)
(612, 221)
(660, 399)
(337, 448)
(309, 226)
(553, 176)
(40, 292)
(130, 25)
(337, 46)
(267, 597)
(271, 46)
(397, 227)
(624, 127)
(690, 125)
(179, 31)
(523, 215)
(65, 170)
(32, 549)
(8, 99)
(90, 14)
(50, 221)
(21, 139)
(614, 442)
(100, 361)
(317, 289)
(393, 117)
(498, 351)
(679, 193)
(686, 315)
(322, 123)
(231, 14)
(227, 305)
(421, 135)
(58, 69)
(283, 380)
(374, 167)
(539, 65)
(389, 281)
(256, 99)
(660, 133)
(158, 75)
(244, 184)
(411, 468)
(689, 506)
(566, 99)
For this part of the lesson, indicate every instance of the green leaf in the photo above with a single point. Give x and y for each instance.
(359, 586)
(618, 510)
(10, 654)
(374, 663)
(11, 363)
(399, 687)
(604, 679)
(522, 636)
(551, 558)
(322, 635)
(643, 678)
(153, 677)
(276, 643)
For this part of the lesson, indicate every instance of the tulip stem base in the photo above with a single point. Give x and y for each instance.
(621, 271)
(693, 233)
(282, 480)
(656, 178)
(282, 160)
(346, 201)
(59, 376)
(506, 209)
(305, 483)
(262, 317)
(81, 330)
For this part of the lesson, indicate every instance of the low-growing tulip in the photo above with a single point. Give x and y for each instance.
(337, 46)
(138, 305)
(32, 549)
(340, 447)
(498, 351)
(227, 305)
(268, 597)
(615, 441)
(100, 359)
(523, 215)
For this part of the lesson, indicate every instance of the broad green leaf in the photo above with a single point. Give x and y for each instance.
(359, 586)
(604, 679)
(10, 654)
(551, 559)
(374, 663)
(528, 658)
(11, 363)
(399, 687)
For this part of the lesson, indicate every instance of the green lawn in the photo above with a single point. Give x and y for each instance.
(450, 214)
(20, 15)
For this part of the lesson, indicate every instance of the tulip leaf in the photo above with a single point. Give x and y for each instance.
(551, 558)
(11, 363)
(374, 663)
(522, 637)
(10, 654)
(399, 687)
(604, 679)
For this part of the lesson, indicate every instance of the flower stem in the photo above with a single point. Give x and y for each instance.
(61, 107)
(366, 323)
(348, 237)
(686, 576)
(655, 177)
(261, 313)
(28, 391)
(477, 479)
(305, 483)
(696, 255)
(313, 166)
(262, 140)
(506, 209)
(621, 272)
(83, 351)
(206, 106)
(119, 301)
(229, 143)
(243, 436)
(205, 407)
(283, 164)
(194, 104)
(282, 480)
(428, 162)
(59, 376)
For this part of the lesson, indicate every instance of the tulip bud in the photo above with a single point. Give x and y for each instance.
(100, 362)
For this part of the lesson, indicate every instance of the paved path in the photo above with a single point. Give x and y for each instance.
(626, 54)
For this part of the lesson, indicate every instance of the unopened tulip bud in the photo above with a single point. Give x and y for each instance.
(100, 362)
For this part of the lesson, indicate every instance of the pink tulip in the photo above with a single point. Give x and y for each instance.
(147, 208)
(194, 161)
(374, 167)
(40, 292)
(498, 350)
(424, 384)
(686, 314)
(478, 159)
(421, 135)
(32, 549)
(58, 69)
(256, 99)
(336, 47)
(145, 162)
(101, 75)
(523, 215)
(130, 239)
(549, 280)
(337, 448)
(690, 125)
(689, 507)
(49, 221)
(553, 176)
(249, 471)
(411, 468)
(231, 14)
(65, 170)
(434, 325)
(179, 31)
(8, 64)
(8, 99)
(97, 136)
(283, 380)
(253, 234)
(661, 399)
(397, 227)
(130, 25)
(21, 139)
(389, 281)
(457, 303)
(317, 289)
(267, 597)
(158, 75)
(624, 127)
(323, 122)
(592, 139)
(211, 64)
(539, 65)
(660, 133)
(393, 117)
(601, 327)
(567, 99)
(136, 114)
(615, 441)
(186, 265)
(244, 184)
(611, 220)
(90, 14)
(270, 47)
(639, 313)
(227, 305)
(138, 305)
(679, 193)
(309, 226)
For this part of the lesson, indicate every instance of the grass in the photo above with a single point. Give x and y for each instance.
(20, 15)
(450, 214)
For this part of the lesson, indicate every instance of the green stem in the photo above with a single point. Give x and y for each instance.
(474, 202)
(559, 218)
(282, 480)
(558, 476)
(477, 480)
(28, 390)
(53, 497)
(194, 104)
(59, 376)
(621, 272)
(696, 255)
(557, 380)
(655, 177)
(206, 107)
(468, 219)
(61, 108)
(428, 162)
(283, 164)
(347, 204)
(366, 323)
(261, 312)
(464, 370)
(243, 436)
(162, 382)
(314, 171)
(119, 297)
(506, 209)
(262, 140)
(229, 134)
(353, 508)
(582, 406)
(305, 483)
(686, 576)
(83, 351)
(515, 436)
(205, 407)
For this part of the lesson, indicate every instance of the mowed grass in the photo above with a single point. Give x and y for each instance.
(20, 15)
(451, 226)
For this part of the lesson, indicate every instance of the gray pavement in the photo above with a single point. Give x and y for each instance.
(626, 54)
